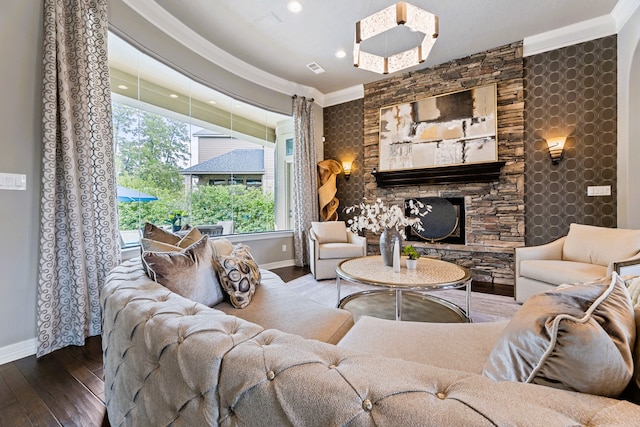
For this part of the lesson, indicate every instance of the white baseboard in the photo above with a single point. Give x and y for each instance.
(18, 350)
(278, 264)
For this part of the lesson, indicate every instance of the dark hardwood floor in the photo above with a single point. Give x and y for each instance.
(66, 387)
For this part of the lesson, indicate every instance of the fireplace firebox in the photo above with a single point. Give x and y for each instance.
(444, 224)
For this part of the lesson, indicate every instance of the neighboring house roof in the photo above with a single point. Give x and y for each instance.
(242, 161)
(206, 133)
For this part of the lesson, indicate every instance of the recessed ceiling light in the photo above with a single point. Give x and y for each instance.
(341, 53)
(123, 87)
(173, 95)
(294, 6)
(212, 102)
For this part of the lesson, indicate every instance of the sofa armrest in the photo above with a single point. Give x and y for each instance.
(551, 250)
(627, 267)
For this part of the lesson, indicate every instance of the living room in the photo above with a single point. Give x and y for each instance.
(541, 198)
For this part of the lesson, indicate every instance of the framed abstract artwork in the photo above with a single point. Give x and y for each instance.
(450, 129)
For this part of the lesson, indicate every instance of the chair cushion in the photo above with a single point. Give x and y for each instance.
(188, 273)
(339, 250)
(576, 338)
(558, 272)
(330, 231)
(600, 245)
(239, 275)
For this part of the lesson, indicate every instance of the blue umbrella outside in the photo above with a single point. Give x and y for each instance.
(129, 195)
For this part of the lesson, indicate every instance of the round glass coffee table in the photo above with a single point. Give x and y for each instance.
(404, 288)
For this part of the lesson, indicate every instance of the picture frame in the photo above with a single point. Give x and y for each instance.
(444, 130)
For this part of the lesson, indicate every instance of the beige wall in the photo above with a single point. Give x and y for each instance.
(628, 123)
(20, 48)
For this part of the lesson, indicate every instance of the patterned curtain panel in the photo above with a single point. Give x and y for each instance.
(79, 240)
(305, 180)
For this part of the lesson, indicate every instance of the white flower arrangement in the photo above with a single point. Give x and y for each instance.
(377, 216)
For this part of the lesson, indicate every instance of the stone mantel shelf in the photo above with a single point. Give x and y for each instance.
(504, 249)
(474, 172)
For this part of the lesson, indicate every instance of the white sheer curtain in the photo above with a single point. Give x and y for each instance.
(305, 180)
(79, 240)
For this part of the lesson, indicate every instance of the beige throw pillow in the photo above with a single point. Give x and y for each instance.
(576, 338)
(189, 273)
(158, 246)
(239, 275)
(221, 246)
(153, 232)
(190, 238)
(148, 245)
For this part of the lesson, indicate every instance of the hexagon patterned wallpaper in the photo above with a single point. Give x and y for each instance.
(343, 134)
(570, 92)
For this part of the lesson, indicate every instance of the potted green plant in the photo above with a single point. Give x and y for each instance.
(413, 255)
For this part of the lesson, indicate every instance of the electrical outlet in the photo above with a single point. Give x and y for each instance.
(284, 248)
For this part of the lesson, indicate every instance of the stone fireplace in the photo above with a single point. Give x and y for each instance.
(493, 222)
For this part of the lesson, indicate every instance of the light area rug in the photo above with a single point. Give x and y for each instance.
(484, 307)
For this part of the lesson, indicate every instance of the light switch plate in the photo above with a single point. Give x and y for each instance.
(599, 190)
(13, 181)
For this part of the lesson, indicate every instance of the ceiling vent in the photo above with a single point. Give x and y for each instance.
(315, 68)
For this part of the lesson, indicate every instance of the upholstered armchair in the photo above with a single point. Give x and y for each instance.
(330, 243)
(586, 253)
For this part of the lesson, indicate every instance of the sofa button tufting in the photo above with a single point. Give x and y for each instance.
(367, 405)
(180, 339)
(332, 366)
(271, 375)
(441, 395)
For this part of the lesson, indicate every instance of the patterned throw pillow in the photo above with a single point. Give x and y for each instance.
(239, 275)
(189, 273)
(576, 338)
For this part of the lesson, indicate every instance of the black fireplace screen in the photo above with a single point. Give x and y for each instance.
(444, 224)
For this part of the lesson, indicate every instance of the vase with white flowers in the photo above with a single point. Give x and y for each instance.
(389, 221)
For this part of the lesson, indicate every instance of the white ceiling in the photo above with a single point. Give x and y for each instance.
(264, 36)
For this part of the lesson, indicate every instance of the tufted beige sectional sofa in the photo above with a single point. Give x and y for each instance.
(170, 361)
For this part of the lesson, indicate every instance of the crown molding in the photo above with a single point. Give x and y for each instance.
(173, 27)
(591, 29)
(343, 95)
(623, 11)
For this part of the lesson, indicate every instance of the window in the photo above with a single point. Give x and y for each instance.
(192, 155)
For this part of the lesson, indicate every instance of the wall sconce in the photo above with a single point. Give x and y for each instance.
(346, 167)
(556, 148)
